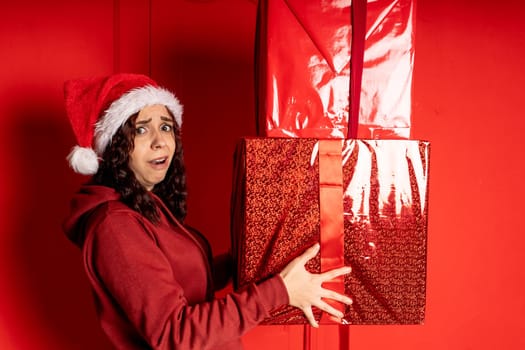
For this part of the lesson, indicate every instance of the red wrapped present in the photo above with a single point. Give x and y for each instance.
(334, 68)
(365, 201)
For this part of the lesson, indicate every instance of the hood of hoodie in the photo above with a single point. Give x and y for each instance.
(84, 201)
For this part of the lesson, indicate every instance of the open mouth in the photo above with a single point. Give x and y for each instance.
(159, 161)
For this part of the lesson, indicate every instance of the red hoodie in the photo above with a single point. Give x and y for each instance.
(152, 283)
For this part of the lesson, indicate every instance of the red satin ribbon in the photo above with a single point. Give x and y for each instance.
(331, 215)
(356, 63)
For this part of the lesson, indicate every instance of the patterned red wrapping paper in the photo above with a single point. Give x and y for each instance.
(304, 53)
(276, 215)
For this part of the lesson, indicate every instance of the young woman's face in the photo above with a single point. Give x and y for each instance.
(154, 145)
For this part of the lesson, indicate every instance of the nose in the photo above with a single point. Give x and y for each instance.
(158, 140)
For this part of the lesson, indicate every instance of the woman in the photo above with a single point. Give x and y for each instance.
(151, 276)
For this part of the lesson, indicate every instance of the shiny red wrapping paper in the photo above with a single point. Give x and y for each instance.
(277, 212)
(304, 83)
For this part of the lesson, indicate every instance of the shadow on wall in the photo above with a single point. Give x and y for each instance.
(52, 281)
(218, 98)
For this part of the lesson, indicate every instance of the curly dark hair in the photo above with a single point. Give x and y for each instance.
(114, 171)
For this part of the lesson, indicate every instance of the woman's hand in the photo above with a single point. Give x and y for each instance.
(305, 290)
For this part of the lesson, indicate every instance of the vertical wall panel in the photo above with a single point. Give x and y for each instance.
(467, 100)
(203, 51)
(133, 34)
(45, 302)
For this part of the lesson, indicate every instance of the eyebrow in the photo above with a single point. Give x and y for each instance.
(144, 121)
(166, 119)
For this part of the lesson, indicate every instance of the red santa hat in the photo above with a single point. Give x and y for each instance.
(98, 107)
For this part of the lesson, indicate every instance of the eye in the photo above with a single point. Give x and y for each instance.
(140, 130)
(166, 127)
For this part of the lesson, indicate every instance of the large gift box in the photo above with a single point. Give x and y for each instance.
(365, 201)
(334, 68)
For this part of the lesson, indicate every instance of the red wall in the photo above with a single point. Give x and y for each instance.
(467, 101)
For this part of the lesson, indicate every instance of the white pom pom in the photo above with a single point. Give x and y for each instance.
(83, 160)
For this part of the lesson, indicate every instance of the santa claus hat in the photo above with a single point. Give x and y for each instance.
(98, 107)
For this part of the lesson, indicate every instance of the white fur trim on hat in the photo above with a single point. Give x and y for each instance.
(127, 105)
(83, 160)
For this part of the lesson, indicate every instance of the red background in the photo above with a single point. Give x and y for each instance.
(467, 101)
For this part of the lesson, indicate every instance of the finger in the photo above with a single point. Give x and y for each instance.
(329, 309)
(330, 294)
(336, 319)
(328, 275)
(309, 253)
(310, 317)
